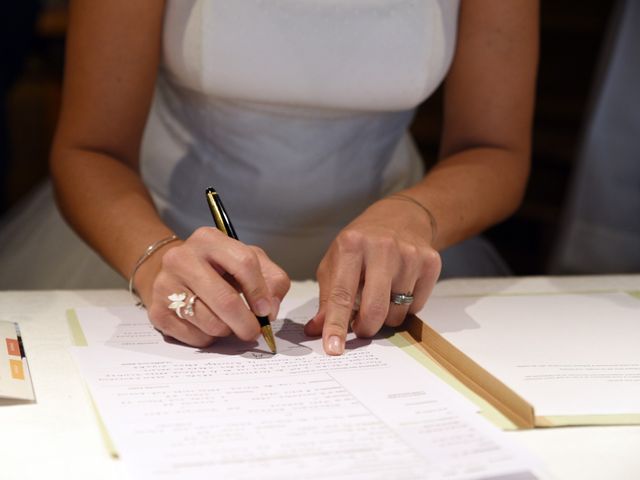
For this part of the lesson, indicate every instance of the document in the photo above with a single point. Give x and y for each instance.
(566, 355)
(234, 410)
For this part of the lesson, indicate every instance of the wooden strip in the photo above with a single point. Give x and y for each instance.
(514, 407)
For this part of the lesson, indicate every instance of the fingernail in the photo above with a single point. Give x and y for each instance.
(275, 309)
(263, 307)
(334, 345)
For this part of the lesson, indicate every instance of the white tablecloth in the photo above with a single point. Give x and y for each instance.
(58, 438)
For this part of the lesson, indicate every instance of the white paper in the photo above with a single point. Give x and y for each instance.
(565, 354)
(236, 411)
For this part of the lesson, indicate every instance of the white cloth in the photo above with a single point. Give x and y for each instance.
(39, 251)
(296, 112)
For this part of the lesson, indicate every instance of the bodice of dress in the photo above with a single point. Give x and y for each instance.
(295, 112)
(364, 55)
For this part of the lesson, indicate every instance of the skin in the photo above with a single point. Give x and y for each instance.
(113, 53)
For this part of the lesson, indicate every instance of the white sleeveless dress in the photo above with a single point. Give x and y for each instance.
(296, 111)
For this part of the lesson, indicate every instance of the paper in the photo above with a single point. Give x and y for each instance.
(565, 354)
(15, 379)
(236, 411)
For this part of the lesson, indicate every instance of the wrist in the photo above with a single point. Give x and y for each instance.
(147, 267)
(433, 224)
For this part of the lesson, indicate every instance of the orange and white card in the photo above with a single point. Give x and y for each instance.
(15, 380)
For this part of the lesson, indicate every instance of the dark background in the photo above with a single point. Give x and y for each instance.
(572, 34)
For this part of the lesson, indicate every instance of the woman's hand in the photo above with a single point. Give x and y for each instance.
(217, 269)
(385, 250)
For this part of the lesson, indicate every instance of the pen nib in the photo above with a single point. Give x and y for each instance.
(267, 333)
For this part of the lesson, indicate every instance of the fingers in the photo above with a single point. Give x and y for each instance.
(224, 301)
(339, 290)
(199, 267)
(388, 266)
(421, 268)
(276, 278)
(429, 273)
(239, 261)
(374, 304)
(166, 321)
(404, 282)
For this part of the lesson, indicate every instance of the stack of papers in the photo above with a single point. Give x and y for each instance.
(236, 411)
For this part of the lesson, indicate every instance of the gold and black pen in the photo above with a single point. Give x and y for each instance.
(223, 223)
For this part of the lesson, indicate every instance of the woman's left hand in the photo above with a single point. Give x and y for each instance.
(386, 250)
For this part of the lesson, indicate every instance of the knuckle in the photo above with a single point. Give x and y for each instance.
(375, 313)
(212, 326)
(258, 251)
(349, 241)
(249, 332)
(228, 301)
(201, 342)
(160, 320)
(411, 252)
(341, 297)
(248, 261)
(432, 261)
(281, 281)
(202, 234)
(395, 321)
(386, 244)
(365, 330)
(158, 286)
(172, 258)
(255, 292)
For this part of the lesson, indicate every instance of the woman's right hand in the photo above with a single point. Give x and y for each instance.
(217, 269)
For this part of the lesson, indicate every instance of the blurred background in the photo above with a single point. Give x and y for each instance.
(579, 45)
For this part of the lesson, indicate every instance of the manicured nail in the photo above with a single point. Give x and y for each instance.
(263, 307)
(335, 345)
(275, 306)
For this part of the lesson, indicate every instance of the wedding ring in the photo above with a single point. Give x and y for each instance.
(401, 298)
(178, 303)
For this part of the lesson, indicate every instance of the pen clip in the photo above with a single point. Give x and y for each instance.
(220, 217)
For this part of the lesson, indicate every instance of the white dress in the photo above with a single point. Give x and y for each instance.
(295, 111)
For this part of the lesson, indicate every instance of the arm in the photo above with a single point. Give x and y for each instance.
(111, 61)
(113, 52)
(479, 180)
(488, 112)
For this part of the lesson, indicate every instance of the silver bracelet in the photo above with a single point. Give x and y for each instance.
(432, 219)
(150, 250)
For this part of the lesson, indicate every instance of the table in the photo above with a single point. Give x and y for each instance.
(58, 437)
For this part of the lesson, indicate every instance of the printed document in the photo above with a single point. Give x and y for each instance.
(233, 410)
(575, 354)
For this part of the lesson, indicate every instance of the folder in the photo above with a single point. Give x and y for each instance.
(592, 341)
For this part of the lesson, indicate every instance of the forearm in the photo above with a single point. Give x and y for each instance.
(487, 120)
(107, 204)
(471, 190)
(111, 63)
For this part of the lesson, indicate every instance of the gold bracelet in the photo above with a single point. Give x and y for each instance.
(432, 219)
(150, 250)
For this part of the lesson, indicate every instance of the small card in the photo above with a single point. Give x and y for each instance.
(15, 379)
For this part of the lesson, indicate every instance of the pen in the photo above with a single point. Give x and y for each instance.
(223, 223)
